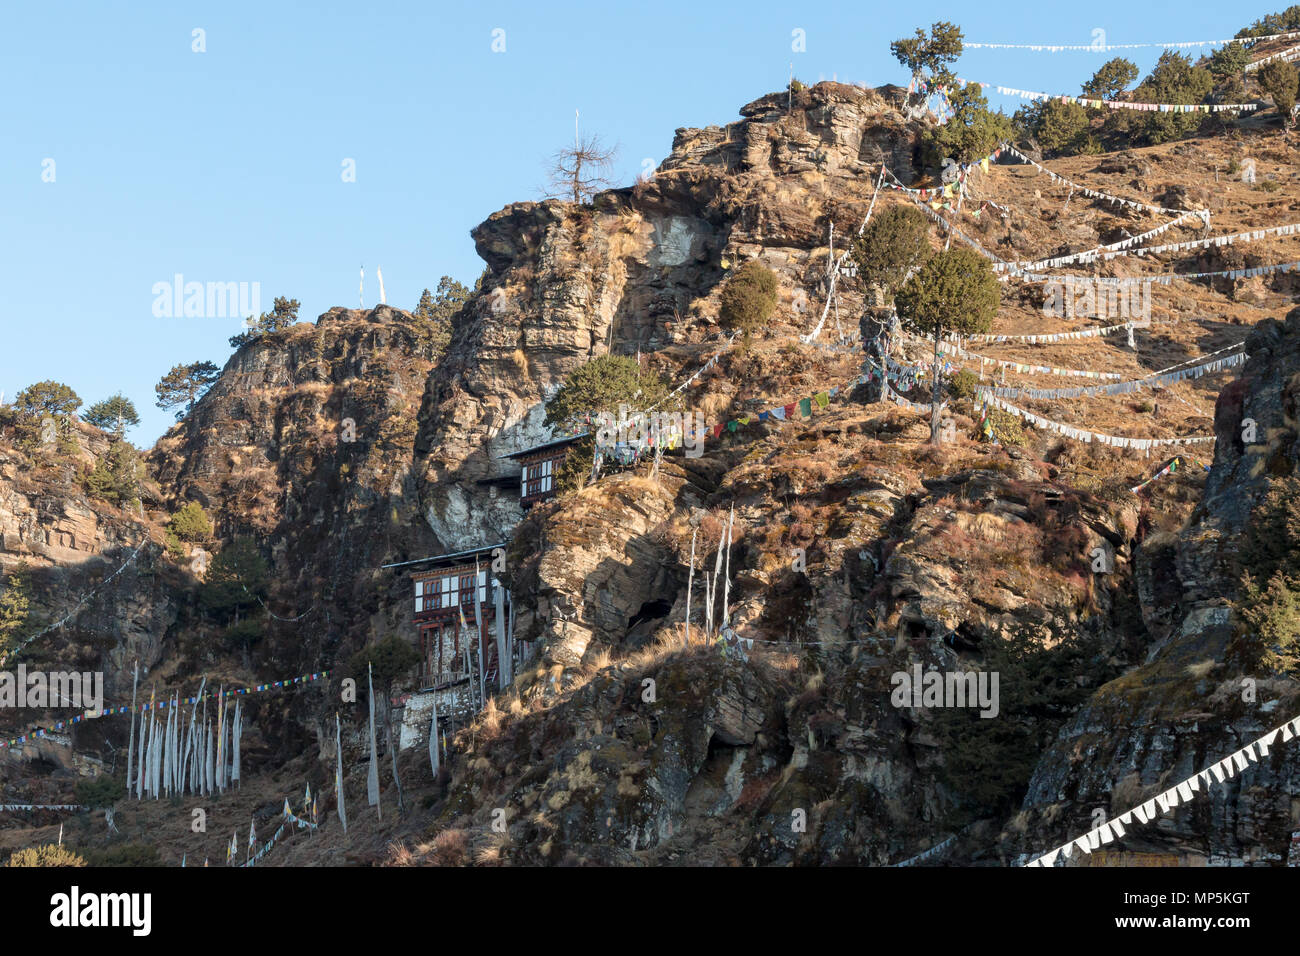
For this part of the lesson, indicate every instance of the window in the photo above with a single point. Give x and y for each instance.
(539, 478)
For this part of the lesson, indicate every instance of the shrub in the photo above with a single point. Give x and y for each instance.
(748, 297)
(601, 385)
(124, 854)
(191, 523)
(1269, 629)
(1271, 543)
(49, 855)
(962, 384)
(895, 243)
(1280, 79)
(101, 792)
(450, 848)
(1270, 623)
(1007, 428)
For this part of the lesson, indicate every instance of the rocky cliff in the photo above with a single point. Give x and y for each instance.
(858, 552)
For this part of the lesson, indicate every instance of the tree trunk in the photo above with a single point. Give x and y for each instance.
(934, 392)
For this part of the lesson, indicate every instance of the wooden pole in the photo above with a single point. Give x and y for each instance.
(689, 578)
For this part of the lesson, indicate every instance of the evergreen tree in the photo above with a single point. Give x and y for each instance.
(115, 477)
(895, 243)
(1280, 80)
(114, 414)
(1173, 80)
(971, 133)
(601, 385)
(237, 582)
(283, 314)
(15, 603)
(930, 54)
(184, 385)
(1111, 80)
(435, 312)
(1228, 61)
(956, 291)
(47, 398)
(748, 298)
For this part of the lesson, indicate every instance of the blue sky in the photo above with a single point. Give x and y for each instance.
(226, 165)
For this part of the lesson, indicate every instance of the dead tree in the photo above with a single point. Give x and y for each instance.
(576, 173)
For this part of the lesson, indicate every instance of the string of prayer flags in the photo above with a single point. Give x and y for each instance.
(923, 202)
(1168, 469)
(63, 725)
(1024, 368)
(42, 806)
(1106, 47)
(1251, 235)
(713, 360)
(1061, 336)
(1083, 435)
(1109, 251)
(1122, 104)
(801, 408)
(897, 399)
(1180, 793)
(1122, 388)
(1093, 193)
(1160, 278)
(1284, 55)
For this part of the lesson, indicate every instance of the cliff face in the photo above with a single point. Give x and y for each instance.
(1189, 704)
(639, 270)
(101, 596)
(858, 551)
(624, 743)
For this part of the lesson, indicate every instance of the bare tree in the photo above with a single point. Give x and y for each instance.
(577, 172)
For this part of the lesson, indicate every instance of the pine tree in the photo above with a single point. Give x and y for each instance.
(47, 398)
(601, 385)
(956, 291)
(184, 385)
(115, 475)
(15, 603)
(114, 414)
(435, 312)
(283, 314)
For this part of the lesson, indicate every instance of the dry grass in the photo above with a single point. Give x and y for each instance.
(598, 660)
(450, 848)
